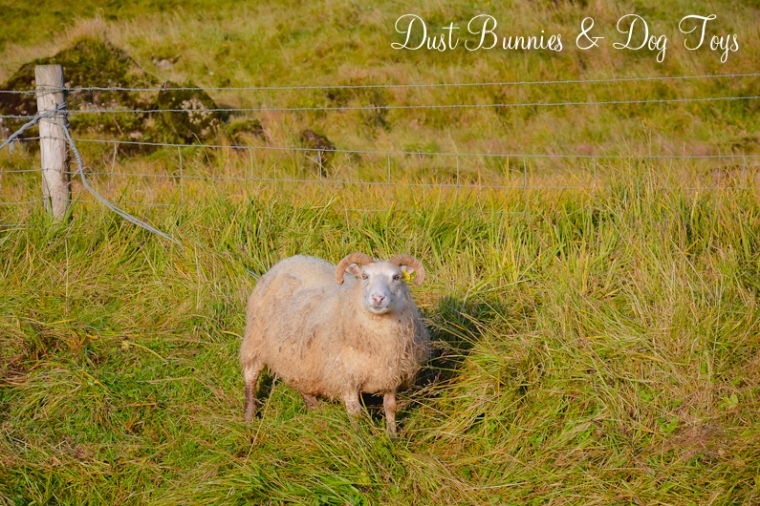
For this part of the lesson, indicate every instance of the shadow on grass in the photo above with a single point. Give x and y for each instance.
(455, 327)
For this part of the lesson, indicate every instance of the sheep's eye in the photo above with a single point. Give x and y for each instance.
(396, 277)
(364, 276)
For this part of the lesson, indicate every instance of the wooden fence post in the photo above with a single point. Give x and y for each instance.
(54, 152)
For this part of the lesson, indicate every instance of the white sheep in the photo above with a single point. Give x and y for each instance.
(329, 338)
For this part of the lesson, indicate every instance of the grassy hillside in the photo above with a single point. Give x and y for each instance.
(596, 334)
(344, 43)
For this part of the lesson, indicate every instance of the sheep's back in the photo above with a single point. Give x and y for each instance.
(284, 280)
(308, 271)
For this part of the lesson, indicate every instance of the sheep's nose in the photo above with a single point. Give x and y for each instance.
(377, 299)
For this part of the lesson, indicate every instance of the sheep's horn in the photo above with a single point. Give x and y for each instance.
(413, 263)
(353, 258)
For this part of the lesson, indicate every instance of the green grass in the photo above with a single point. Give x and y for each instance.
(597, 348)
(593, 345)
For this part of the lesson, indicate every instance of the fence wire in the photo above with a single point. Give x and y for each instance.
(454, 154)
(611, 80)
(399, 107)
(388, 183)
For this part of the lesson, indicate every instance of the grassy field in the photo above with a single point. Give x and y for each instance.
(597, 344)
(598, 349)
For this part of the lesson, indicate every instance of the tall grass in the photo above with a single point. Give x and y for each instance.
(591, 347)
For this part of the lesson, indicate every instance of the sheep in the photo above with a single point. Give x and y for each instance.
(329, 337)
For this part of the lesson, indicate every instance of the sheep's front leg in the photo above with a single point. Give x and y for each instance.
(389, 404)
(353, 406)
(251, 374)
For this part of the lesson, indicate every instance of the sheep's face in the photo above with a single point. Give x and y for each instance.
(382, 286)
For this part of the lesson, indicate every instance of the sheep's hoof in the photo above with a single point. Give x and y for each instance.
(250, 412)
(310, 401)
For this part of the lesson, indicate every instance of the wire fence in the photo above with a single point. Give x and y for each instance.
(390, 170)
(449, 154)
(381, 107)
(736, 171)
(53, 89)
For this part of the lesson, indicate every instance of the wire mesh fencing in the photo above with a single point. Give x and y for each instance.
(162, 174)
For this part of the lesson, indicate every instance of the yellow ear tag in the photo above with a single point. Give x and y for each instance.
(407, 276)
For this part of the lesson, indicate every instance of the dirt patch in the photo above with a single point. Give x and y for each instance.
(706, 442)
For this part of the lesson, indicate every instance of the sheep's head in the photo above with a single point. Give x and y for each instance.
(382, 284)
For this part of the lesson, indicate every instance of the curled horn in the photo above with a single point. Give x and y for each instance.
(353, 258)
(412, 262)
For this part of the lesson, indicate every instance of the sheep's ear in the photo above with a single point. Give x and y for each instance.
(354, 269)
(409, 264)
(406, 273)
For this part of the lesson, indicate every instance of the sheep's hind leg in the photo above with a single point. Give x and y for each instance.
(310, 400)
(251, 374)
(389, 404)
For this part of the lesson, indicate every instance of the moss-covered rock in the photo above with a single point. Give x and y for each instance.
(200, 121)
(91, 62)
(321, 149)
(237, 130)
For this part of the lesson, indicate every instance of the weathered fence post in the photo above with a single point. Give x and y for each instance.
(56, 179)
